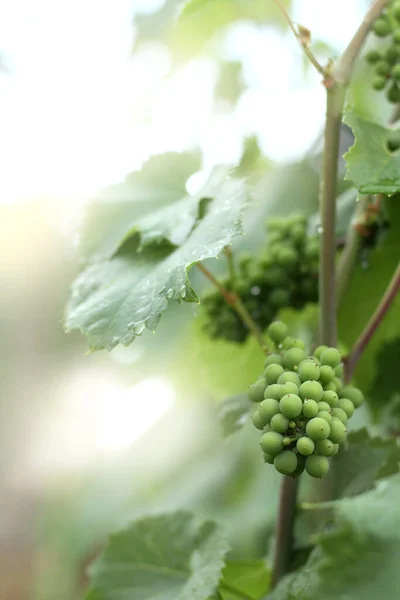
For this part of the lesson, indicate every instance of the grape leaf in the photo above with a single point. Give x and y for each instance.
(113, 301)
(166, 557)
(386, 382)
(358, 558)
(152, 202)
(234, 412)
(245, 579)
(370, 165)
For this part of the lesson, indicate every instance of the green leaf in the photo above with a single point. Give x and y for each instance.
(113, 301)
(152, 202)
(234, 412)
(250, 580)
(167, 557)
(363, 460)
(386, 382)
(370, 165)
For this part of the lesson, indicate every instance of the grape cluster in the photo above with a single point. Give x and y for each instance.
(285, 275)
(386, 63)
(303, 405)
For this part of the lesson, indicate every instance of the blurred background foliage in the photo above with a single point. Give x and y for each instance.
(89, 442)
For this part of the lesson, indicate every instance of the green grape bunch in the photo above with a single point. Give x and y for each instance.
(303, 405)
(386, 62)
(286, 274)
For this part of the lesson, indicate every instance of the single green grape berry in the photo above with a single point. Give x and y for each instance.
(298, 343)
(268, 458)
(310, 359)
(310, 409)
(272, 373)
(311, 390)
(267, 409)
(324, 406)
(324, 414)
(373, 56)
(317, 466)
(325, 447)
(339, 371)
(353, 394)
(396, 36)
(395, 10)
(339, 385)
(318, 429)
(391, 54)
(379, 83)
(290, 405)
(288, 388)
(272, 443)
(293, 357)
(331, 386)
(292, 424)
(331, 357)
(287, 441)
(256, 391)
(288, 343)
(331, 398)
(277, 331)
(347, 405)
(340, 414)
(257, 421)
(273, 359)
(338, 431)
(289, 376)
(273, 391)
(305, 446)
(381, 27)
(319, 350)
(393, 94)
(382, 68)
(309, 371)
(279, 423)
(326, 374)
(286, 462)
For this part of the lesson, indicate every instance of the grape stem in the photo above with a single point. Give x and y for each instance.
(284, 532)
(373, 324)
(236, 303)
(231, 262)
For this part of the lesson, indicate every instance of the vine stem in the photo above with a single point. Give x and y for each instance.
(374, 322)
(236, 303)
(336, 79)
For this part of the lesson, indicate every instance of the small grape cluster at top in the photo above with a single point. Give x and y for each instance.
(285, 275)
(387, 62)
(303, 405)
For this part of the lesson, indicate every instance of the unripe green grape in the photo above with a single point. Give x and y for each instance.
(331, 357)
(393, 94)
(273, 359)
(339, 385)
(272, 443)
(381, 27)
(317, 466)
(305, 446)
(310, 409)
(268, 458)
(289, 388)
(331, 386)
(373, 56)
(318, 429)
(277, 331)
(273, 391)
(331, 398)
(267, 409)
(257, 421)
(286, 462)
(340, 414)
(326, 374)
(279, 423)
(292, 424)
(293, 357)
(279, 297)
(309, 371)
(287, 441)
(310, 359)
(339, 371)
(256, 391)
(324, 406)
(267, 428)
(353, 394)
(325, 447)
(391, 54)
(290, 405)
(298, 343)
(272, 373)
(289, 376)
(395, 10)
(311, 390)
(324, 414)
(301, 463)
(338, 431)
(288, 343)
(347, 405)
(396, 36)
(379, 82)
(319, 350)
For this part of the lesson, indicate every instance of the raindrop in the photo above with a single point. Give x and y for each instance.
(139, 328)
(170, 293)
(131, 324)
(183, 292)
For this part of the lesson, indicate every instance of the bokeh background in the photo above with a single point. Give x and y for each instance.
(88, 91)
